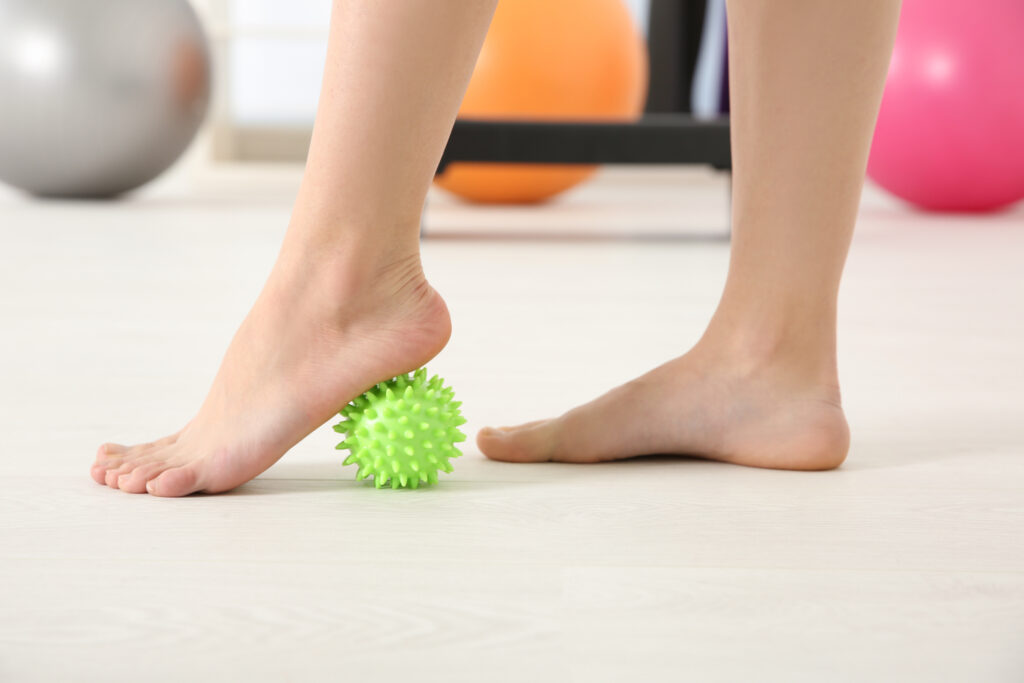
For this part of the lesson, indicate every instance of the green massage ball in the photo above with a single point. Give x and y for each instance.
(403, 431)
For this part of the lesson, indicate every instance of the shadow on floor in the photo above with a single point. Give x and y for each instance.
(475, 474)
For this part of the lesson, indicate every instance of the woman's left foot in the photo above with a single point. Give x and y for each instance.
(323, 331)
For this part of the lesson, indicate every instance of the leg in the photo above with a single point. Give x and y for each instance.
(760, 387)
(346, 304)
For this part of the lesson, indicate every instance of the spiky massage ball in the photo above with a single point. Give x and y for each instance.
(403, 431)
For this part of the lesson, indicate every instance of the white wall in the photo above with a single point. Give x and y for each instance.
(275, 53)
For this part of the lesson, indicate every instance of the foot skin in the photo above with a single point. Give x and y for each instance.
(766, 414)
(319, 335)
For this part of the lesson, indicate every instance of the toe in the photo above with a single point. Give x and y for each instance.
(110, 478)
(531, 442)
(177, 481)
(128, 465)
(135, 481)
(107, 450)
(99, 469)
(108, 456)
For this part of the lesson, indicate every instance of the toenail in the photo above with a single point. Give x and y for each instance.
(151, 486)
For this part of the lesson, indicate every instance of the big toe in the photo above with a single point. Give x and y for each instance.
(531, 442)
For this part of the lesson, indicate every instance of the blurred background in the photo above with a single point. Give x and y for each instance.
(241, 78)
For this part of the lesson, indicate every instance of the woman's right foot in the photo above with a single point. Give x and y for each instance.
(767, 412)
(323, 330)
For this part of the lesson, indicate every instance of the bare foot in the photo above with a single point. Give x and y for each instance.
(764, 414)
(323, 330)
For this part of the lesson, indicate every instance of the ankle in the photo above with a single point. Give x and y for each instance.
(799, 354)
(344, 281)
(324, 240)
(353, 250)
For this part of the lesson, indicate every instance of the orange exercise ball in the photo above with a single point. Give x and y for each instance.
(568, 59)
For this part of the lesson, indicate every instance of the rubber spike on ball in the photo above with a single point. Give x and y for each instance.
(377, 427)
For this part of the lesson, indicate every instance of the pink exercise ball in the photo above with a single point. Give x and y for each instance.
(950, 134)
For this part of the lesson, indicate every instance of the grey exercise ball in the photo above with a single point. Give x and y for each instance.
(97, 97)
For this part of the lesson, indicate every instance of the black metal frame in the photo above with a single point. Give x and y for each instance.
(654, 139)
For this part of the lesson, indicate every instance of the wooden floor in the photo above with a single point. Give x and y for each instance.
(905, 565)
